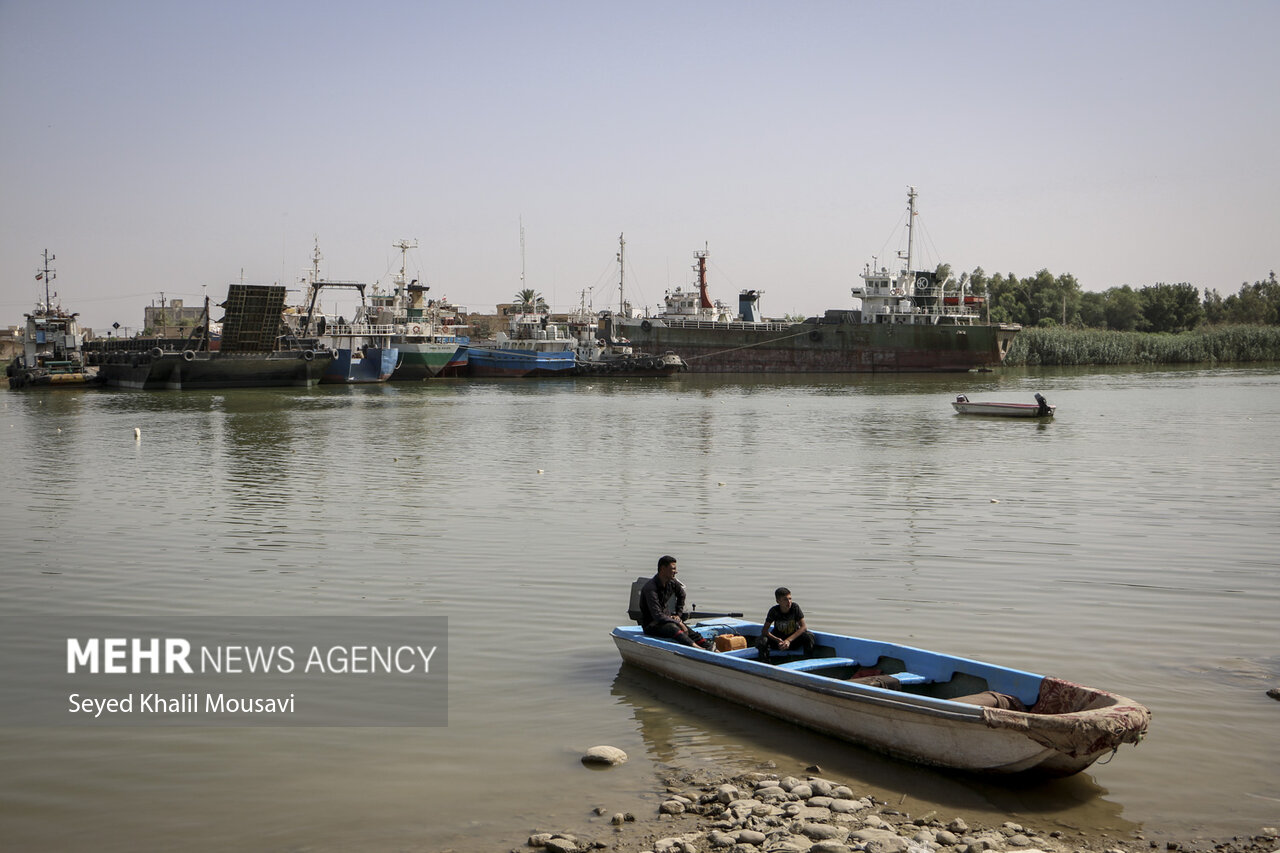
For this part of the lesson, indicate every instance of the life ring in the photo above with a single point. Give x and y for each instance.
(156, 352)
(308, 355)
(188, 355)
(646, 325)
(815, 336)
(416, 329)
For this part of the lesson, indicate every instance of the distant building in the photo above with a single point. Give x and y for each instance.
(10, 343)
(171, 319)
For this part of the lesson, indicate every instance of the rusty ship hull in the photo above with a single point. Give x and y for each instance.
(840, 346)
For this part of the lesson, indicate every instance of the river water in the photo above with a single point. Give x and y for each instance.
(1132, 543)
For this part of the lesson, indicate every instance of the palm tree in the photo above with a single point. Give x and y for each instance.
(530, 301)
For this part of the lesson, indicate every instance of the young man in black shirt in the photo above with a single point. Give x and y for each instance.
(784, 627)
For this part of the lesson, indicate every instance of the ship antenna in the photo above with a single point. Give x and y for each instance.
(911, 224)
(404, 246)
(47, 274)
(622, 247)
(704, 300)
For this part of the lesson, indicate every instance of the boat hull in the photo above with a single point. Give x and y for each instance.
(498, 362)
(376, 364)
(187, 370)
(425, 359)
(821, 347)
(21, 377)
(633, 366)
(910, 725)
(1003, 410)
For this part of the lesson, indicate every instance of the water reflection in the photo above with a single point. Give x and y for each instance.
(686, 728)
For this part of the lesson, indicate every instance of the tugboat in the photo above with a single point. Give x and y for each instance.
(52, 345)
(614, 356)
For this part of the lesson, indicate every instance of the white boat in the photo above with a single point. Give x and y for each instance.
(1039, 409)
(919, 705)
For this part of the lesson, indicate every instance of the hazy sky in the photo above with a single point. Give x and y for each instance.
(169, 146)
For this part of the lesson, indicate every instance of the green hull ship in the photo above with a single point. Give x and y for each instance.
(427, 332)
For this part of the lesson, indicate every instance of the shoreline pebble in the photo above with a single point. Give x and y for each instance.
(760, 812)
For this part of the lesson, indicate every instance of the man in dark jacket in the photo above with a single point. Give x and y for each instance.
(661, 603)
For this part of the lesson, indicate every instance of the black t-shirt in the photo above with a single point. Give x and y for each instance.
(784, 624)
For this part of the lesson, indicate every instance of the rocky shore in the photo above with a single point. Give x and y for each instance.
(761, 812)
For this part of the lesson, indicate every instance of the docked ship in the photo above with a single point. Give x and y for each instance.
(534, 346)
(52, 345)
(255, 352)
(601, 355)
(362, 349)
(900, 321)
(427, 332)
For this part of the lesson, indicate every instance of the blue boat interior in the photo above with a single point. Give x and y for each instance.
(868, 662)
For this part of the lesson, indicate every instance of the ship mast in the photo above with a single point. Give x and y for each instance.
(622, 246)
(704, 301)
(47, 274)
(911, 224)
(401, 299)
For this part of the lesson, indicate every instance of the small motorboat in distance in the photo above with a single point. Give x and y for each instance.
(923, 706)
(1039, 409)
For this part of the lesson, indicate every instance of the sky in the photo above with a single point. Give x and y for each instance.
(175, 147)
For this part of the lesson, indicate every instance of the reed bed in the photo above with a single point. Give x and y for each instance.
(1211, 345)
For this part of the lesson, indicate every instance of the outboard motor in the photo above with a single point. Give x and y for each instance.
(1044, 405)
(749, 306)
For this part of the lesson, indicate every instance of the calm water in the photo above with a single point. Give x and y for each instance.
(1132, 544)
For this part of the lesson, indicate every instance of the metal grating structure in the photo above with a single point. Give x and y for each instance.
(252, 321)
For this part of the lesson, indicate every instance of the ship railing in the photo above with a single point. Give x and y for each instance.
(735, 324)
(358, 329)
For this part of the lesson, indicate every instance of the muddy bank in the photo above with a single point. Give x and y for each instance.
(762, 812)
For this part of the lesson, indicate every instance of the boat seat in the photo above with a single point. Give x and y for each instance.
(909, 678)
(816, 663)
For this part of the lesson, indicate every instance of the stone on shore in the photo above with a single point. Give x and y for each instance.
(609, 755)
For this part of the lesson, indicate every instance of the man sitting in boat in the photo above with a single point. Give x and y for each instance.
(784, 627)
(661, 603)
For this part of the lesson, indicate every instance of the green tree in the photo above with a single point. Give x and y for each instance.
(1124, 309)
(530, 301)
(1255, 303)
(1171, 307)
(1215, 311)
(1093, 310)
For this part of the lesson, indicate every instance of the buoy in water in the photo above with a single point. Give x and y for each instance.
(137, 433)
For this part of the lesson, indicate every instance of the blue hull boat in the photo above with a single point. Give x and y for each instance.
(512, 362)
(914, 704)
(373, 364)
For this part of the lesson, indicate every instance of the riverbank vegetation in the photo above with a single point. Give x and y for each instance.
(1157, 324)
(1208, 345)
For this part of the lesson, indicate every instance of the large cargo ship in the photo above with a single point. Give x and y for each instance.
(900, 322)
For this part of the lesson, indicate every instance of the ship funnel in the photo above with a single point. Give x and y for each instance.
(749, 306)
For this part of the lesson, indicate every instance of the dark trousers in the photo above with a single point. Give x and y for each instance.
(803, 644)
(669, 631)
